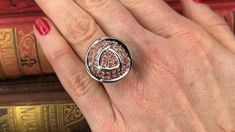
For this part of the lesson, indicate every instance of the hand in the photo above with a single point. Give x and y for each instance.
(183, 67)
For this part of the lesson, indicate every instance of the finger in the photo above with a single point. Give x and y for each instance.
(113, 18)
(78, 27)
(156, 16)
(212, 22)
(116, 20)
(89, 95)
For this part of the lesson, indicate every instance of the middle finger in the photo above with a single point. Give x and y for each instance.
(114, 19)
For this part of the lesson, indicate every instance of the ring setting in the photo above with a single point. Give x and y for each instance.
(108, 60)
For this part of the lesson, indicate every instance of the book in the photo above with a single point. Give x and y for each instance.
(20, 53)
(38, 104)
(17, 7)
(42, 118)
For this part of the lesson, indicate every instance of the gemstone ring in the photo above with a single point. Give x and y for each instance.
(108, 60)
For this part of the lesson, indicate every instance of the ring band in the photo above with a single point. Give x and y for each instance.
(108, 60)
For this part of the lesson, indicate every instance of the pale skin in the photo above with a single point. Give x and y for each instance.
(183, 76)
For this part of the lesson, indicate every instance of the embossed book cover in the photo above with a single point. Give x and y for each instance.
(38, 104)
(41, 118)
(34, 103)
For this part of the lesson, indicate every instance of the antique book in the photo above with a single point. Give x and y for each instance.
(17, 7)
(42, 118)
(20, 53)
(38, 104)
(31, 103)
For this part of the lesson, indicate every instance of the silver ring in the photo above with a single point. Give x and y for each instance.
(108, 60)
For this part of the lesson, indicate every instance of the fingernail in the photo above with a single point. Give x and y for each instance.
(42, 26)
(200, 1)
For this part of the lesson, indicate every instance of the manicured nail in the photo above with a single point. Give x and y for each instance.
(42, 26)
(200, 1)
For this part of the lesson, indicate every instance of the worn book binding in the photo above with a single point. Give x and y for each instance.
(42, 118)
(38, 104)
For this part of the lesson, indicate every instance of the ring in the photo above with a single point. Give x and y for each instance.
(108, 60)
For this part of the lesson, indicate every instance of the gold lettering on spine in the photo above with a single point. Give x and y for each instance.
(8, 56)
(40, 118)
(29, 118)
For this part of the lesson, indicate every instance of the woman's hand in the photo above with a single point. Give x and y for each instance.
(183, 76)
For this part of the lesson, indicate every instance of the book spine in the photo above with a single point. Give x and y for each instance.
(42, 118)
(20, 53)
(8, 7)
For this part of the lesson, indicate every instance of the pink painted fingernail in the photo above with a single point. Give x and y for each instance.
(42, 26)
(200, 1)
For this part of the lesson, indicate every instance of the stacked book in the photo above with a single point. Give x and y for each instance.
(31, 96)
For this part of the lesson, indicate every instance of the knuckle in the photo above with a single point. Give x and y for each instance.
(93, 4)
(58, 55)
(192, 36)
(189, 33)
(174, 26)
(216, 21)
(80, 29)
(80, 83)
(197, 40)
(133, 3)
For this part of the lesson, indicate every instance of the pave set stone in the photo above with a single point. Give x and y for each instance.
(108, 60)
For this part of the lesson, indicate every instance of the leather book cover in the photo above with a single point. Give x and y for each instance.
(30, 103)
(38, 104)
(42, 118)
(20, 53)
(17, 7)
